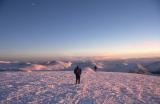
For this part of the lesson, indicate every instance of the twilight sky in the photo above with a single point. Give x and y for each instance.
(57, 28)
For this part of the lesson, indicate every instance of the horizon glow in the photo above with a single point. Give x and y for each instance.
(45, 29)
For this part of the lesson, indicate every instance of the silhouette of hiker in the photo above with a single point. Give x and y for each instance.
(95, 68)
(77, 72)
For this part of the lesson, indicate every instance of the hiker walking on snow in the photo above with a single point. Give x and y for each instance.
(77, 72)
(95, 68)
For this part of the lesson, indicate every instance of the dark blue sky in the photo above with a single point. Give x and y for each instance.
(50, 28)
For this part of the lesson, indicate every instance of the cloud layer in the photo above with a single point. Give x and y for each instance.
(57, 65)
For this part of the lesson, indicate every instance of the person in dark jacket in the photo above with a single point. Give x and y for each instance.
(77, 72)
(95, 68)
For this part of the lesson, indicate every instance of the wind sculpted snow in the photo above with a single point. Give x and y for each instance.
(58, 87)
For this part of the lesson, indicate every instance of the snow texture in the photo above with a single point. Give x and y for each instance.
(58, 87)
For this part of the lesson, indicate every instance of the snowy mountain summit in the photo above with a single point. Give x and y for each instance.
(58, 87)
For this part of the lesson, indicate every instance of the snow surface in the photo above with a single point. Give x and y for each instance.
(58, 87)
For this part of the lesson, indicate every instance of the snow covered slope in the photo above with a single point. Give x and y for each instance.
(95, 88)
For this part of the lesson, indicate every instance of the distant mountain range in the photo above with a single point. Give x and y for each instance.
(141, 66)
